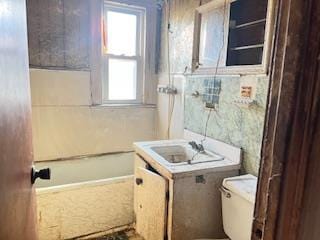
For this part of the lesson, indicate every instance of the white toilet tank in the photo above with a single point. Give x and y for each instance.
(238, 198)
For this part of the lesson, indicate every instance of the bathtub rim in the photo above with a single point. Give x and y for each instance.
(79, 185)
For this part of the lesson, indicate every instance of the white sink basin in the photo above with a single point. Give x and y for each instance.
(176, 158)
(184, 154)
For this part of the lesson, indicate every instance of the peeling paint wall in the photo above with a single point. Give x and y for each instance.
(59, 33)
(85, 196)
(238, 126)
(65, 124)
(70, 211)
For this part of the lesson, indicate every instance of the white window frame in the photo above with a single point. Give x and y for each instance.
(139, 57)
(97, 68)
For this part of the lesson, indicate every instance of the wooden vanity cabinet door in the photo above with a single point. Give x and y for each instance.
(150, 204)
(139, 163)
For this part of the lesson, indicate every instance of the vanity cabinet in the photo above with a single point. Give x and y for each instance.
(177, 206)
(150, 201)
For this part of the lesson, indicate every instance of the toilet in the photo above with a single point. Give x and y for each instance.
(238, 198)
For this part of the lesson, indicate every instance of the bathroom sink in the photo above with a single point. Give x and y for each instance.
(181, 154)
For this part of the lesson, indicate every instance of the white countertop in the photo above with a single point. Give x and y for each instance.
(231, 157)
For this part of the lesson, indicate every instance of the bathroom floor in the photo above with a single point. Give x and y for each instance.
(130, 235)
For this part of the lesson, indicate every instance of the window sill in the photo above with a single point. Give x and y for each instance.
(232, 70)
(124, 105)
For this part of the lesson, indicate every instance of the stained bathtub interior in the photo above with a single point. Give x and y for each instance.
(86, 169)
(84, 132)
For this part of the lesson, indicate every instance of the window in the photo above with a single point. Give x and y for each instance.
(123, 53)
(212, 37)
(233, 36)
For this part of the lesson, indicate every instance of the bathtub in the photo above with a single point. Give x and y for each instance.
(85, 196)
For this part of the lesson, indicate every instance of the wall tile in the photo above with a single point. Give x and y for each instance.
(229, 123)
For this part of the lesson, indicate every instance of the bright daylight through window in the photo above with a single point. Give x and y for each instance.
(123, 54)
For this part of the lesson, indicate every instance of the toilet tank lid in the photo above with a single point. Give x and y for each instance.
(245, 186)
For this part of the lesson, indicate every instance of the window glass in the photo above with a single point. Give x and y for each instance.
(122, 77)
(211, 37)
(121, 33)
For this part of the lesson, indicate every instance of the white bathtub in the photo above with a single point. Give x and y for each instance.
(85, 196)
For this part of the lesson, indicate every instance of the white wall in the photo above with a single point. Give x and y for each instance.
(177, 110)
(66, 125)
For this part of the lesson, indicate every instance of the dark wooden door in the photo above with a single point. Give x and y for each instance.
(288, 199)
(310, 212)
(17, 197)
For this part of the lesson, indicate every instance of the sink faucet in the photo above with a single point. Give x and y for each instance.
(198, 147)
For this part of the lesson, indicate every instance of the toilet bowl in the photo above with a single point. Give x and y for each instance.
(238, 198)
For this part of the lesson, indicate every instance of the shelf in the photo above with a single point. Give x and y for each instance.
(245, 102)
(247, 47)
(249, 24)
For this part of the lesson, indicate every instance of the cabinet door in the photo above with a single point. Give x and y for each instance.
(151, 206)
(139, 163)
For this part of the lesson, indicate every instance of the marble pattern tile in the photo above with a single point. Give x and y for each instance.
(242, 127)
(232, 124)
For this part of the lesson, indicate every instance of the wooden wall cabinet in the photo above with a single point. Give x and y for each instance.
(233, 37)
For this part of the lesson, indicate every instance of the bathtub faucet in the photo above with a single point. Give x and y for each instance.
(198, 147)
